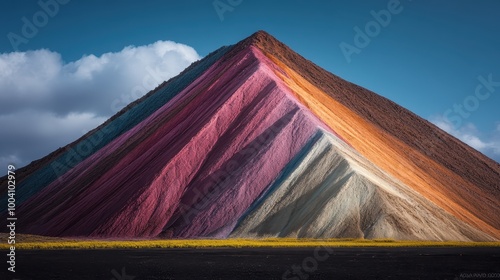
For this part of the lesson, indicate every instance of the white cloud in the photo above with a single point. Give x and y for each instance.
(46, 103)
(33, 134)
(8, 159)
(468, 133)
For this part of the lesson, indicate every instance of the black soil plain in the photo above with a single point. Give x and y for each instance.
(259, 263)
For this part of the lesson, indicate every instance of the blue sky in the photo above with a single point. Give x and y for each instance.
(427, 57)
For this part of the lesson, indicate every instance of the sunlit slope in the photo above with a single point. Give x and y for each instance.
(434, 181)
(334, 191)
(373, 126)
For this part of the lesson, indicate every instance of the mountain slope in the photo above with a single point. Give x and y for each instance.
(336, 192)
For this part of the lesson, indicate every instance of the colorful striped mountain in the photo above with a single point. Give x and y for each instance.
(256, 141)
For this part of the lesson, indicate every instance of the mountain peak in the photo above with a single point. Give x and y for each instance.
(261, 34)
(259, 39)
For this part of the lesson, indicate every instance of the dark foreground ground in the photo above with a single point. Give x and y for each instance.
(298, 263)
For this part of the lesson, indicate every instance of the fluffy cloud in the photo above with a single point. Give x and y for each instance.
(469, 134)
(45, 102)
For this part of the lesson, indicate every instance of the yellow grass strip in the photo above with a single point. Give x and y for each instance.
(238, 243)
